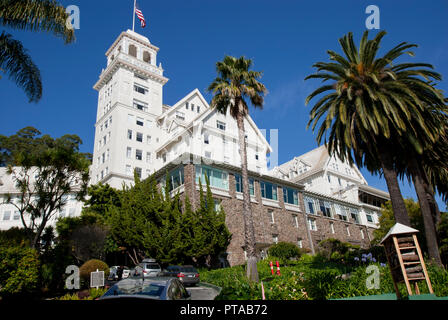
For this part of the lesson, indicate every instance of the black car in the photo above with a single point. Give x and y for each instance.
(188, 275)
(155, 288)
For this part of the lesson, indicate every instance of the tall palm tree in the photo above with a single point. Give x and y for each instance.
(234, 85)
(29, 15)
(374, 104)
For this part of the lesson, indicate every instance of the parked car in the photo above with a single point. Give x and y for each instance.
(188, 275)
(150, 267)
(154, 288)
(113, 274)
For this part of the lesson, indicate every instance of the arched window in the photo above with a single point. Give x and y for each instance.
(147, 57)
(133, 50)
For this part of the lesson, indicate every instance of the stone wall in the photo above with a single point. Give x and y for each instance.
(284, 225)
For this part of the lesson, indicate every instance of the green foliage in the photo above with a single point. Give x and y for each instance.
(19, 270)
(285, 251)
(150, 223)
(93, 294)
(58, 169)
(92, 266)
(442, 231)
(336, 250)
(13, 237)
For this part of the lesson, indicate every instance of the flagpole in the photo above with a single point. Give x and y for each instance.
(133, 16)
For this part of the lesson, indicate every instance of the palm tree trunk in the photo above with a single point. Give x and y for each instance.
(398, 206)
(419, 179)
(249, 231)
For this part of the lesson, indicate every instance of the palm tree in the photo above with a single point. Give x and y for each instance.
(235, 84)
(373, 106)
(29, 15)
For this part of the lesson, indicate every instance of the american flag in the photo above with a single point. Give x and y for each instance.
(140, 16)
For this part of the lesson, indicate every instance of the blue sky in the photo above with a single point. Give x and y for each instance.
(284, 38)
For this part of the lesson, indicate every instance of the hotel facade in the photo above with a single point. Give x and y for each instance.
(308, 199)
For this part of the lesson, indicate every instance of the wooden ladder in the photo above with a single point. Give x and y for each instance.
(411, 263)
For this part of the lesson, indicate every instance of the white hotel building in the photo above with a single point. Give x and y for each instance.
(135, 130)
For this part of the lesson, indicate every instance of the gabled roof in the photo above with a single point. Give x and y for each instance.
(397, 229)
(201, 116)
(180, 103)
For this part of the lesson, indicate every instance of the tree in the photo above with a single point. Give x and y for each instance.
(235, 84)
(29, 15)
(44, 177)
(151, 223)
(387, 221)
(377, 110)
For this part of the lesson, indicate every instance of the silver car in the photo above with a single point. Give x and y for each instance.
(150, 268)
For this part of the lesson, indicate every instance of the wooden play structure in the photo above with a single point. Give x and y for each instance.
(405, 258)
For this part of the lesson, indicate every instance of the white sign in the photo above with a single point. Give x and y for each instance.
(97, 279)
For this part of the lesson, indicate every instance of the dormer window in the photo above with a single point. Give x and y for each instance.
(180, 115)
(221, 125)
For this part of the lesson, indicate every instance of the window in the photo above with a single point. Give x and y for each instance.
(6, 215)
(138, 154)
(17, 215)
(217, 178)
(268, 190)
(176, 178)
(198, 108)
(107, 155)
(369, 217)
(128, 170)
(186, 105)
(325, 207)
(206, 138)
(256, 156)
(140, 122)
(146, 57)
(312, 224)
(300, 243)
(332, 227)
(128, 152)
(309, 205)
(290, 196)
(275, 239)
(239, 184)
(140, 105)
(148, 157)
(138, 171)
(221, 125)
(130, 118)
(139, 137)
(271, 215)
(180, 115)
(341, 212)
(329, 179)
(132, 50)
(140, 89)
(192, 107)
(295, 220)
(217, 205)
(103, 157)
(354, 214)
(130, 134)
(148, 139)
(339, 181)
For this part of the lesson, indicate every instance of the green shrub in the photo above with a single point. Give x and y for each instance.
(92, 266)
(285, 250)
(19, 270)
